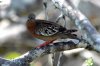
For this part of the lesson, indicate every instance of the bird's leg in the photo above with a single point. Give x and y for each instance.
(45, 8)
(45, 43)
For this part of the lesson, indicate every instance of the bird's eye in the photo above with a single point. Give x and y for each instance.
(31, 16)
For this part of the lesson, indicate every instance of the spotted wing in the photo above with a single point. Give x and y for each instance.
(46, 28)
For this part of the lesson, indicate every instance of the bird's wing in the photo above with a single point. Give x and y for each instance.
(46, 28)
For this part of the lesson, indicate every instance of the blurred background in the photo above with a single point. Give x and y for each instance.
(16, 40)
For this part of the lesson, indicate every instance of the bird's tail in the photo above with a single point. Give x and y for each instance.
(69, 31)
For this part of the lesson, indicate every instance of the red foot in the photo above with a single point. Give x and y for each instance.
(45, 43)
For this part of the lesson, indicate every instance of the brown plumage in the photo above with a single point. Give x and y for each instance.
(47, 30)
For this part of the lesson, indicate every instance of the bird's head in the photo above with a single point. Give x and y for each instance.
(31, 16)
(31, 22)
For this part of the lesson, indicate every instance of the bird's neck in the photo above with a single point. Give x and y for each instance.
(31, 25)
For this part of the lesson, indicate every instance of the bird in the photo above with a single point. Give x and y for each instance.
(47, 30)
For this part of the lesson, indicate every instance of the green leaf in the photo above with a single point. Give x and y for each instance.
(12, 55)
(89, 62)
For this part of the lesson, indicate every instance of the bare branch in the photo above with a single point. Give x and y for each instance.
(82, 22)
(35, 53)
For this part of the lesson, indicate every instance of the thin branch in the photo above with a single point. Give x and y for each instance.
(82, 22)
(45, 8)
(35, 53)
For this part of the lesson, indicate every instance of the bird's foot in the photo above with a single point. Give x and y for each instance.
(45, 44)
